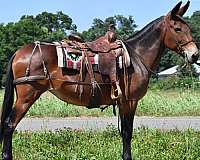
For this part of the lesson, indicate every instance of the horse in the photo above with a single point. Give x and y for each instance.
(145, 50)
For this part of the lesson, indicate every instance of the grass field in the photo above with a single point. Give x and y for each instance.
(106, 145)
(155, 103)
(147, 144)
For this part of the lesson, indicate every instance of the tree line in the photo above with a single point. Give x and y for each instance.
(54, 27)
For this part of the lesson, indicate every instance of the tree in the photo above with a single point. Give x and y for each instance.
(194, 22)
(169, 59)
(187, 71)
(125, 27)
(44, 27)
(55, 26)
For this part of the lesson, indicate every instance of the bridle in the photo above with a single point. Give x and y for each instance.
(180, 50)
(179, 44)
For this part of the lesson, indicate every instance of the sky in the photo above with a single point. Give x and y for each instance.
(84, 11)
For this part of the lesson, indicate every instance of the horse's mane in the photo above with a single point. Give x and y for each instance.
(139, 38)
(139, 34)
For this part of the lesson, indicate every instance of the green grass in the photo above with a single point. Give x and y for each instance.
(1, 96)
(170, 103)
(155, 103)
(106, 145)
(49, 105)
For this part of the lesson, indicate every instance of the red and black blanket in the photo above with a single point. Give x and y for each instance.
(70, 60)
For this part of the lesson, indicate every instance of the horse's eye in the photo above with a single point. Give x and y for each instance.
(177, 30)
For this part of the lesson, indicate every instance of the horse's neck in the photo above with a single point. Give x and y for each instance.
(151, 54)
(149, 45)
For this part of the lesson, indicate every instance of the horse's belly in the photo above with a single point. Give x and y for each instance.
(71, 94)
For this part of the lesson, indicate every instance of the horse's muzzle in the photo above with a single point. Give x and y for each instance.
(194, 57)
(191, 57)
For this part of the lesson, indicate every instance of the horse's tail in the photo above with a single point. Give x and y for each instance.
(8, 97)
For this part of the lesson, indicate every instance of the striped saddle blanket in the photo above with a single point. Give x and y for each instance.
(67, 59)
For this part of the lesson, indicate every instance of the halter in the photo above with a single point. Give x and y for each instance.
(179, 44)
(180, 50)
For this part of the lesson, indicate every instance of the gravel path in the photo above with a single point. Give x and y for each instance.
(85, 123)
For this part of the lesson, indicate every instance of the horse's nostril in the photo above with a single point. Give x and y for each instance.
(195, 57)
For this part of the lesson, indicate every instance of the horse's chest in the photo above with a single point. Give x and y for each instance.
(138, 86)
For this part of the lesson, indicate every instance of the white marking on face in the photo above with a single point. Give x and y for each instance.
(190, 51)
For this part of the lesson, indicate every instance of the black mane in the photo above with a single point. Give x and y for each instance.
(139, 34)
(143, 38)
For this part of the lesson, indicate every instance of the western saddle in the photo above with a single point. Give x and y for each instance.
(108, 48)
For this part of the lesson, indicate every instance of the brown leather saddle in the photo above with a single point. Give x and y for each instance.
(108, 49)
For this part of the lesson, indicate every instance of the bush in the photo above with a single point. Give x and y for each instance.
(175, 82)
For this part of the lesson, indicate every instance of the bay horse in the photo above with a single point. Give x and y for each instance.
(145, 50)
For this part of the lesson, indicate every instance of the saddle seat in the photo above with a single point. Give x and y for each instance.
(104, 44)
(108, 48)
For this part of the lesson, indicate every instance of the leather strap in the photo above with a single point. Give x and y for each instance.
(29, 79)
(41, 77)
(91, 73)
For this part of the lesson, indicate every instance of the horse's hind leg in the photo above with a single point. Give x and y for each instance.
(26, 96)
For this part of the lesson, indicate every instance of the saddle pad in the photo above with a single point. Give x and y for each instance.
(71, 60)
(65, 59)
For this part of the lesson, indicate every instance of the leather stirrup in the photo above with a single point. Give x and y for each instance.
(116, 93)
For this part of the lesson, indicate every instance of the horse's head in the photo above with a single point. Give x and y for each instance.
(178, 36)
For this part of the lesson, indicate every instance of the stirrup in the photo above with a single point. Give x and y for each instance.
(116, 93)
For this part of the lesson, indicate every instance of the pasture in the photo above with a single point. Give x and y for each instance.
(155, 103)
(78, 145)
(37, 64)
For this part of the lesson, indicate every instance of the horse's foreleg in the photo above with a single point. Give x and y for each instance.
(26, 96)
(127, 112)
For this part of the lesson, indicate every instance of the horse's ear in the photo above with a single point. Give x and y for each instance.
(176, 9)
(183, 9)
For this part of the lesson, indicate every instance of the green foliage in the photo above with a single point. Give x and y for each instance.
(175, 83)
(125, 27)
(169, 59)
(189, 71)
(106, 145)
(50, 106)
(51, 27)
(43, 27)
(181, 102)
(194, 22)
(184, 102)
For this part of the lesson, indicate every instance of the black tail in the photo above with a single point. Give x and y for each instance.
(8, 97)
